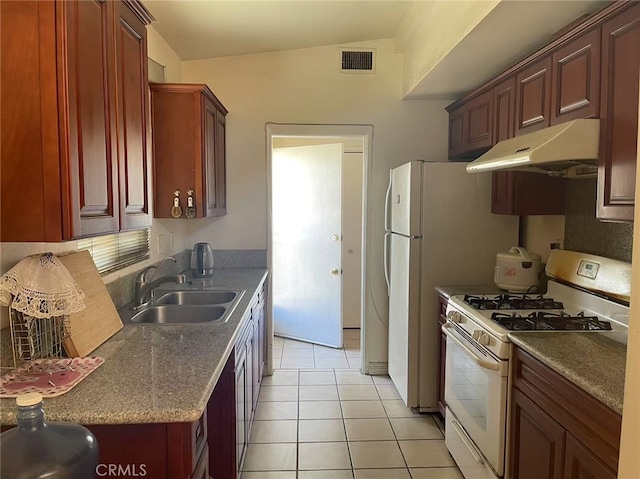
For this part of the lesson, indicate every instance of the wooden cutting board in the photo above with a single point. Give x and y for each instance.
(99, 320)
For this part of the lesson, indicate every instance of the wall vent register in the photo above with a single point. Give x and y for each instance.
(357, 61)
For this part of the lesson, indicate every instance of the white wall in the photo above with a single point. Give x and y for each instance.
(305, 86)
(540, 231)
(160, 51)
(431, 30)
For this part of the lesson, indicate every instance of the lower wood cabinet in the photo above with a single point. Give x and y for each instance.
(249, 365)
(211, 447)
(557, 430)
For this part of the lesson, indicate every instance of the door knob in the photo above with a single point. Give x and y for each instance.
(335, 237)
(335, 271)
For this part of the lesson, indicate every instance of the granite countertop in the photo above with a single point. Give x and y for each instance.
(448, 291)
(592, 361)
(155, 373)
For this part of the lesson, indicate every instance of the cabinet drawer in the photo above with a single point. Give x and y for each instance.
(596, 425)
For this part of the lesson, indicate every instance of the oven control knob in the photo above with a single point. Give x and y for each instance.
(454, 316)
(482, 337)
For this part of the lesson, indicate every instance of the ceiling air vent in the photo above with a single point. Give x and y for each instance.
(357, 61)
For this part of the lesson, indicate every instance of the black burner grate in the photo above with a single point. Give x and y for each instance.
(512, 301)
(550, 321)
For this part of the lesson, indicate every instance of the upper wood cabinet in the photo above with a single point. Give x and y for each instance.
(134, 139)
(590, 71)
(575, 87)
(471, 126)
(504, 110)
(533, 97)
(619, 115)
(73, 110)
(188, 148)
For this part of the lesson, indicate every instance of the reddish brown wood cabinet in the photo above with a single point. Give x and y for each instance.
(575, 86)
(522, 193)
(161, 451)
(221, 420)
(557, 430)
(619, 115)
(442, 353)
(533, 97)
(188, 148)
(590, 71)
(471, 126)
(249, 365)
(74, 106)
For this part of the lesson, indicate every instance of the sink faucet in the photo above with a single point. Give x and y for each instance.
(145, 283)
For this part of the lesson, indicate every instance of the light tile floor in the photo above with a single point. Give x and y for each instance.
(319, 418)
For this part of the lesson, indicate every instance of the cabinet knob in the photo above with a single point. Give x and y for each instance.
(335, 272)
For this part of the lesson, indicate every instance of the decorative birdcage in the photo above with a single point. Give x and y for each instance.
(41, 294)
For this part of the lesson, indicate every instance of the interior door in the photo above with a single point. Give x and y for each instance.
(306, 256)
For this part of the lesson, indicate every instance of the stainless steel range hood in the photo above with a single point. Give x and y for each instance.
(554, 150)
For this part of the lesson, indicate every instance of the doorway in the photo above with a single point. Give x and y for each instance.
(317, 178)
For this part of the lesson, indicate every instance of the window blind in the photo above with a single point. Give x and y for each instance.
(113, 252)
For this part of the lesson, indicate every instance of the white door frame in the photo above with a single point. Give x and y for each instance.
(275, 130)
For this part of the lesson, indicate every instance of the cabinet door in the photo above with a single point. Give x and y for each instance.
(133, 120)
(533, 97)
(478, 122)
(503, 182)
(456, 132)
(580, 463)
(241, 397)
(575, 85)
(210, 153)
(90, 117)
(536, 443)
(221, 164)
(249, 386)
(619, 115)
(221, 414)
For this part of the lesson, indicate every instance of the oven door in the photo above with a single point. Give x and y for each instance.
(476, 392)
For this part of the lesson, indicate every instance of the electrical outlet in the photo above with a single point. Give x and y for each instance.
(162, 245)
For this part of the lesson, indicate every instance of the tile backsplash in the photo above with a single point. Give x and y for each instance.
(584, 233)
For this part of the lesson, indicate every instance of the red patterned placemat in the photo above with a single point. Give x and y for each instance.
(56, 377)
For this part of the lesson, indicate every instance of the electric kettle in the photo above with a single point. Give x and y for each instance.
(202, 260)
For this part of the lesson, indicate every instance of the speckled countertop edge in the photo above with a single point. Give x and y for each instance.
(592, 361)
(155, 373)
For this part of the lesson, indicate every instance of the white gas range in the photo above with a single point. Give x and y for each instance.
(594, 299)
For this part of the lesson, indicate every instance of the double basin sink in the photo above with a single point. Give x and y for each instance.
(185, 307)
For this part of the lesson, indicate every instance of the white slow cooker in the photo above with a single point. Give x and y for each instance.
(517, 270)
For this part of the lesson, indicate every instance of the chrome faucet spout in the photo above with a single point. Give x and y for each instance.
(144, 286)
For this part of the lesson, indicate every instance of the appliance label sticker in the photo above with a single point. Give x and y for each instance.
(510, 272)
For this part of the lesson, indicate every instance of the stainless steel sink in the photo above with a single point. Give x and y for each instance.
(173, 314)
(185, 307)
(196, 297)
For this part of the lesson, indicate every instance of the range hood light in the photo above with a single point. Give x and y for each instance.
(499, 164)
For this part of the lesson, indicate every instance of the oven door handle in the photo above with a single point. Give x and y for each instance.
(467, 442)
(483, 363)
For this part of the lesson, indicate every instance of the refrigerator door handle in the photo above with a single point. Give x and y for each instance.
(386, 262)
(387, 198)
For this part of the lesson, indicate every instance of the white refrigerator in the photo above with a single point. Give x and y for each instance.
(439, 231)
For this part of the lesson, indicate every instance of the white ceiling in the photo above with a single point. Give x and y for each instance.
(207, 29)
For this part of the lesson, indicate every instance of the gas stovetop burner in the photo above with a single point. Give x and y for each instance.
(548, 321)
(512, 301)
